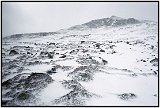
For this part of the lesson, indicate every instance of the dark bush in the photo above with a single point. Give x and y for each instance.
(23, 96)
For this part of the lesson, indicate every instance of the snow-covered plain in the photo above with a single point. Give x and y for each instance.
(105, 66)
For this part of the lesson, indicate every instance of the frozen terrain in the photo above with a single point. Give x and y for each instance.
(105, 62)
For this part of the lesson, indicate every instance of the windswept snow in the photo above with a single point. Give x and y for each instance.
(83, 66)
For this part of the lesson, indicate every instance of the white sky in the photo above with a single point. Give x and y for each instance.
(27, 17)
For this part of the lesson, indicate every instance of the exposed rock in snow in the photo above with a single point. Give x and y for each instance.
(24, 86)
(127, 96)
(13, 52)
(111, 61)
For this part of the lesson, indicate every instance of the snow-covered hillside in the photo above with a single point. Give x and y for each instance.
(105, 62)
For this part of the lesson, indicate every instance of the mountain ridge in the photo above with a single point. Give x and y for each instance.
(112, 21)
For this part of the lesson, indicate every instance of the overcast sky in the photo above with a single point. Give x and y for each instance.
(27, 17)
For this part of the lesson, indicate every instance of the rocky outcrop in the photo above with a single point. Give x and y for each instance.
(154, 61)
(13, 52)
(78, 95)
(22, 87)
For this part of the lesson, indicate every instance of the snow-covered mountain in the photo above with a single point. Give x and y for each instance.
(113, 21)
(105, 62)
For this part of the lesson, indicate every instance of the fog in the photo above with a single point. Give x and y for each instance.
(28, 17)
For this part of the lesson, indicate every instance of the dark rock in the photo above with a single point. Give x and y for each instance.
(53, 70)
(47, 54)
(155, 95)
(82, 42)
(50, 56)
(14, 84)
(83, 73)
(29, 82)
(97, 45)
(50, 72)
(13, 52)
(74, 51)
(87, 61)
(152, 46)
(144, 60)
(127, 96)
(52, 44)
(84, 50)
(33, 63)
(80, 68)
(83, 77)
(66, 68)
(113, 52)
(37, 81)
(63, 56)
(127, 42)
(154, 60)
(4, 102)
(3, 54)
(12, 66)
(102, 50)
(76, 97)
(6, 83)
(28, 52)
(104, 61)
(90, 57)
(72, 84)
(155, 73)
(112, 46)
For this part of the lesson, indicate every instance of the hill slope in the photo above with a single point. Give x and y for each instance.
(111, 61)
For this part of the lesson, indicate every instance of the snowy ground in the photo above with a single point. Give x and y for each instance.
(129, 51)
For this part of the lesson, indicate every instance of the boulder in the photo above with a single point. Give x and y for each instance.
(13, 52)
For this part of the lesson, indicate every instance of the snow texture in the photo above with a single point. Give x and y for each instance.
(105, 62)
